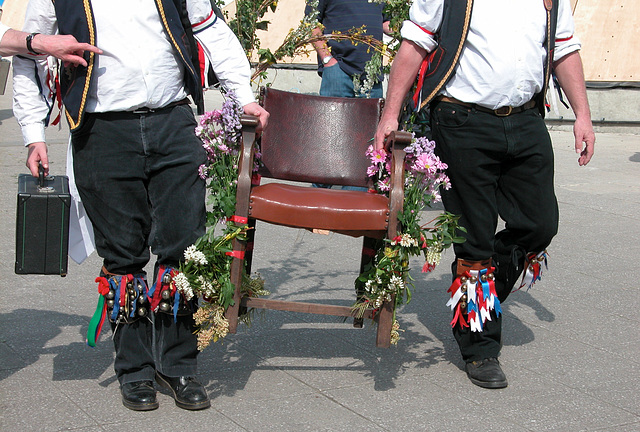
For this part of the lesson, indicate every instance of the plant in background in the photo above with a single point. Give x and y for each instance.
(387, 277)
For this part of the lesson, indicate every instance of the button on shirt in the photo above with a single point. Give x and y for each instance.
(137, 68)
(502, 62)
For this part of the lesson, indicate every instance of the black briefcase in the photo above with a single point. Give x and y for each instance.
(42, 225)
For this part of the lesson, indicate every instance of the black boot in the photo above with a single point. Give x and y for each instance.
(188, 393)
(486, 373)
(139, 396)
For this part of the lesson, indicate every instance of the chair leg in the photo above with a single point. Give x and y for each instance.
(237, 264)
(385, 323)
(369, 248)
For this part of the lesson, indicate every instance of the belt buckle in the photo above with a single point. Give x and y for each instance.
(143, 110)
(503, 111)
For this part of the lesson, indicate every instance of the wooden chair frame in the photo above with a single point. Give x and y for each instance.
(396, 143)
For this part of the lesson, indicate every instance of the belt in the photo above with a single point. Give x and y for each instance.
(145, 110)
(500, 112)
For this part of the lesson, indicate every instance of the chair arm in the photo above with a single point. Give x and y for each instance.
(396, 143)
(245, 164)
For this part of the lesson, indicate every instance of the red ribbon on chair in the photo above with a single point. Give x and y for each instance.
(238, 219)
(236, 254)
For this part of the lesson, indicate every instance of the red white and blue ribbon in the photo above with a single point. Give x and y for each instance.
(473, 297)
(534, 269)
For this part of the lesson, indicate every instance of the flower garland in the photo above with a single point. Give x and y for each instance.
(205, 272)
(387, 277)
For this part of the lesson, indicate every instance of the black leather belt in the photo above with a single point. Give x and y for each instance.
(500, 112)
(145, 110)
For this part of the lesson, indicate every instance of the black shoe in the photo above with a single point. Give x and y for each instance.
(139, 396)
(486, 373)
(188, 393)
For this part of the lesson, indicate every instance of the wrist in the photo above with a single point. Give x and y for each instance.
(29, 40)
(327, 59)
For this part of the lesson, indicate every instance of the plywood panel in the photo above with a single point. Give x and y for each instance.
(608, 31)
(13, 13)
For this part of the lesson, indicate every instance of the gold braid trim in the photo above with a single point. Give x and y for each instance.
(173, 41)
(467, 22)
(87, 82)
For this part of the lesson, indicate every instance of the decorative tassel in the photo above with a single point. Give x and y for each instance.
(534, 269)
(97, 320)
(473, 297)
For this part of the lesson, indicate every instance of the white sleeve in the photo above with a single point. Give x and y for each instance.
(33, 95)
(566, 41)
(425, 18)
(223, 49)
(3, 30)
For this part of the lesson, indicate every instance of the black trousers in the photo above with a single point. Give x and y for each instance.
(137, 175)
(499, 167)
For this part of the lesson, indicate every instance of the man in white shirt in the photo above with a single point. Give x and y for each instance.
(135, 162)
(64, 47)
(490, 132)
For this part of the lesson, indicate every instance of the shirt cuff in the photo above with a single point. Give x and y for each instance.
(244, 95)
(565, 47)
(418, 35)
(32, 133)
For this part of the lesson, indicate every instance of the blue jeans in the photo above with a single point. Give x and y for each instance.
(336, 83)
(137, 175)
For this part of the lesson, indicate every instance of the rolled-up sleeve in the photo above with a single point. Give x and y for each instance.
(223, 49)
(566, 41)
(425, 17)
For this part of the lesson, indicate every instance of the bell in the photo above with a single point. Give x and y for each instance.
(463, 288)
(464, 298)
(166, 294)
(132, 292)
(110, 303)
(483, 278)
(164, 307)
(142, 299)
(490, 276)
(541, 258)
(464, 279)
(166, 279)
(111, 295)
(139, 287)
(473, 279)
(463, 305)
(142, 311)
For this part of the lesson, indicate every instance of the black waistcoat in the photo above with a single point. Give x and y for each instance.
(439, 65)
(75, 17)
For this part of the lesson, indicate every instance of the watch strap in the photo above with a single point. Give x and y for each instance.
(29, 39)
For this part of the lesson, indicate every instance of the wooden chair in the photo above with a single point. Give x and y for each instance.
(316, 139)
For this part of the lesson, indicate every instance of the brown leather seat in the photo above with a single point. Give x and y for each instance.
(316, 139)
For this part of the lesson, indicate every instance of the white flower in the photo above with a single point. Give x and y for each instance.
(396, 283)
(183, 286)
(206, 287)
(193, 254)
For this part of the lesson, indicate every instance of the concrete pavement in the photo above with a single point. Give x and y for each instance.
(570, 351)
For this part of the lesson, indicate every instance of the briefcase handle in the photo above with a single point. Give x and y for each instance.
(40, 176)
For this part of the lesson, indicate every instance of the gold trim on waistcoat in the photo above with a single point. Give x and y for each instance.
(92, 40)
(173, 41)
(454, 63)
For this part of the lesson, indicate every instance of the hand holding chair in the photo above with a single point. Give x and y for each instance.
(316, 139)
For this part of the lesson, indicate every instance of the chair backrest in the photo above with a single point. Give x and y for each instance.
(318, 139)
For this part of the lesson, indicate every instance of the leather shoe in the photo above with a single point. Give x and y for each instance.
(188, 393)
(139, 396)
(486, 373)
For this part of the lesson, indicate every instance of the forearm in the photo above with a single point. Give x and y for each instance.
(320, 46)
(570, 75)
(14, 42)
(403, 74)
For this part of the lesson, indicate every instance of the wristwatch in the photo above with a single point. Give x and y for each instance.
(326, 59)
(29, 39)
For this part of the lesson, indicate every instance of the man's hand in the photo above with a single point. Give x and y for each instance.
(585, 140)
(64, 47)
(385, 127)
(256, 110)
(37, 154)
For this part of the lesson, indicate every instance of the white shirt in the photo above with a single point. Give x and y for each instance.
(128, 75)
(3, 30)
(502, 61)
